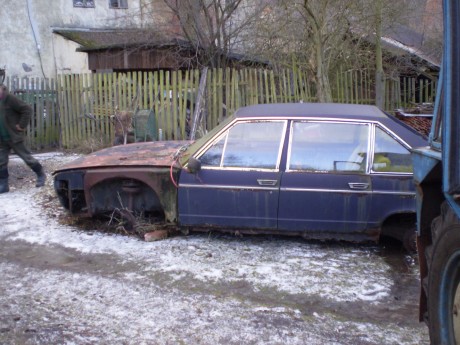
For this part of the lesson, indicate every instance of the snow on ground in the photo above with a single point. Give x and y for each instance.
(289, 266)
(110, 309)
(72, 286)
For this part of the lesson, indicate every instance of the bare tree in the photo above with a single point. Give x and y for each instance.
(327, 24)
(322, 36)
(383, 18)
(314, 34)
(214, 27)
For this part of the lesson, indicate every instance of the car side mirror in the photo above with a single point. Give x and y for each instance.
(194, 165)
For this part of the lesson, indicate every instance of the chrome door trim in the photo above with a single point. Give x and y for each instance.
(385, 192)
(209, 186)
(345, 191)
(389, 173)
(239, 169)
(223, 150)
(322, 190)
(392, 134)
(370, 158)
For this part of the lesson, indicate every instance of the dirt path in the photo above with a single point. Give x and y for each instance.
(61, 285)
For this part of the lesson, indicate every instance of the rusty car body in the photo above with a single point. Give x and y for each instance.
(327, 171)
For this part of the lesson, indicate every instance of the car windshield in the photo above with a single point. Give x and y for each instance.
(196, 145)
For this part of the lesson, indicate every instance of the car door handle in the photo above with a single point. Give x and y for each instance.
(358, 185)
(267, 182)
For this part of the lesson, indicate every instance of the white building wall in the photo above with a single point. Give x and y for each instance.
(29, 47)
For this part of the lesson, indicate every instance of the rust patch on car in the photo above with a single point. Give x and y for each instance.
(133, 177)
(155, 154)
(132, 193)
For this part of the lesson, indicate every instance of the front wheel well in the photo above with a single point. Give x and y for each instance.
(125, 193)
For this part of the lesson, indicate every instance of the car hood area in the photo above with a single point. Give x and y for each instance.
(158, 154)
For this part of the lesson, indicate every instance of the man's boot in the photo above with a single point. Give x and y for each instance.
(4, 188)
(41, 176)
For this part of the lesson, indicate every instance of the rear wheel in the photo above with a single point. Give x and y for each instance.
(402, 227)
(409, 240)
(443, 280)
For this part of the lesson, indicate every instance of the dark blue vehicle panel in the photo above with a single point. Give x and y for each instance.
(229, 198)
(312, 202)
(391, 194)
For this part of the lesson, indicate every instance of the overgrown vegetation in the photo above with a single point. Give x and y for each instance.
(320, 36)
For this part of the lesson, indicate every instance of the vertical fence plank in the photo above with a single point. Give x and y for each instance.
(228, 89)
(97, 126)
(94, 102)
(174, 103)
(183, 96)
(161, 109)
(63, 111)
(105, 120)
(70, 124)
(41, 116)
(220, 96)
(111, 96)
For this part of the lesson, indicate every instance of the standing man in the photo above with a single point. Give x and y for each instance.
(14, 119)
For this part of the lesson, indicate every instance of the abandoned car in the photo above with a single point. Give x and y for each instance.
(324, 171)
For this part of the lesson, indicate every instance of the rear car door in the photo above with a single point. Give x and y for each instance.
(326, 186)
(391, 173)
(238, 184)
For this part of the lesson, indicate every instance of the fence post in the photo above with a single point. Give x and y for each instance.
(199, 103)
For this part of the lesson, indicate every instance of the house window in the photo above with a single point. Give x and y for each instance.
(118, 3)
(83, 3)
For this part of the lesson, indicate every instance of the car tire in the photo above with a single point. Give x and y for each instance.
(442, 285)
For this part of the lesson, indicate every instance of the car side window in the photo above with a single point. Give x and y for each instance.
(328, 147)
(390, 155)
(247, 145)
(213, 156)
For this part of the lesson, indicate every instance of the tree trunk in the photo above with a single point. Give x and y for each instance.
(379, 73)
(323, 91)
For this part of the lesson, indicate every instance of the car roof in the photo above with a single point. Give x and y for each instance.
(359, 112)
(352, 111)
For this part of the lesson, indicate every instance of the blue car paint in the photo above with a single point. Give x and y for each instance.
(228, 198)
(233, 199)
(306, 206)
(391, 194)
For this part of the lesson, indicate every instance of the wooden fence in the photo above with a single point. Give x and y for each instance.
(74, 109)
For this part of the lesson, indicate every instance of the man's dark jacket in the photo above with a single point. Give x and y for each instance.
(15, 112)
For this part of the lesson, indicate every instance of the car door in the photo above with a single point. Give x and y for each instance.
(393, 188)
(326, 186)
(238, 184)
